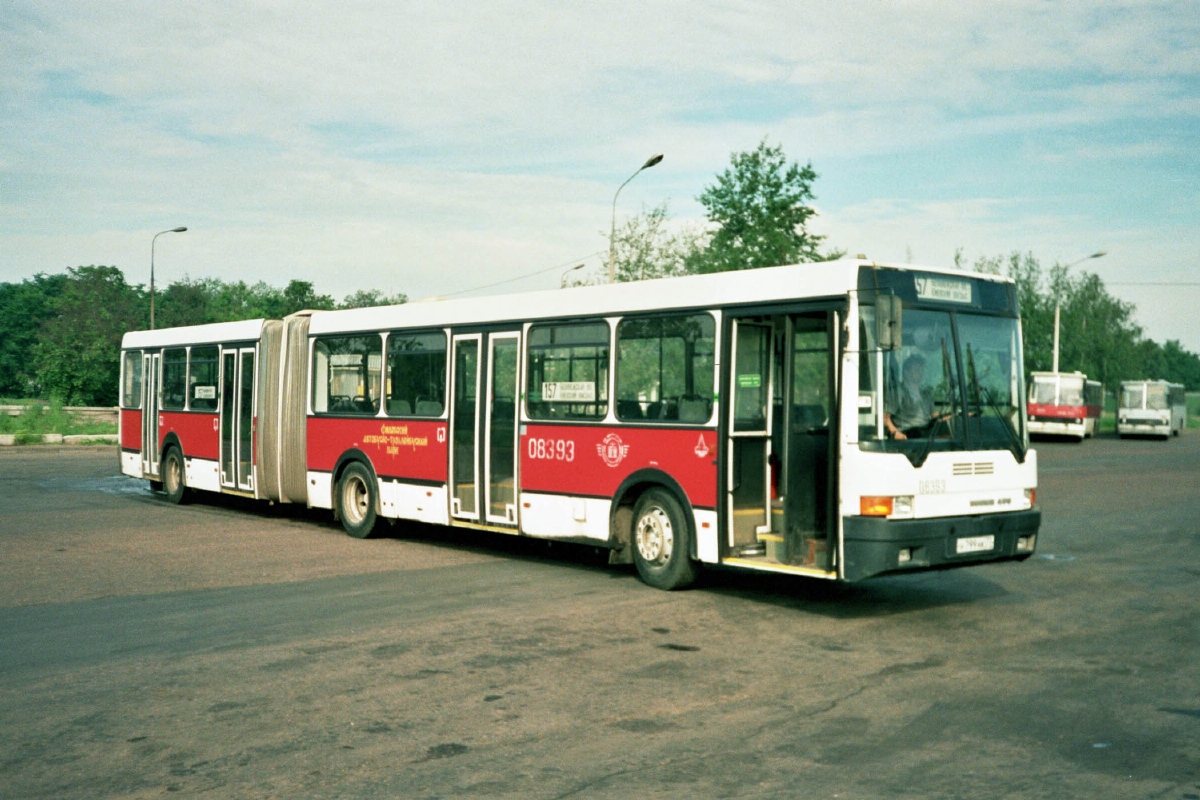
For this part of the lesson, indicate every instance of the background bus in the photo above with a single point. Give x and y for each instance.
(1151, 408)
(741, 419)
(1064, 404)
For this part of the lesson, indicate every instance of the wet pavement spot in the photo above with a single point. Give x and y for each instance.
(390, 650)
(1186, 712)
(224, 705)
(643, 725)
(447, 750)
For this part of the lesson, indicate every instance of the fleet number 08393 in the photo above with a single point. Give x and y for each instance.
(551, 449)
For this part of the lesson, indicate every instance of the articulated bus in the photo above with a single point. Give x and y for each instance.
(1065, 404)
(838, 420)
(1151, 408)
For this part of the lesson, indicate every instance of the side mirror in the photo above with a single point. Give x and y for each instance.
(887, 321)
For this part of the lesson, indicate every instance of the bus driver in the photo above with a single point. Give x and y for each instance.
(909, 411)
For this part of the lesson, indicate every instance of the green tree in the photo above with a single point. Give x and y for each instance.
(1097, 332)
(77, 353)
(185, 302)
(760, 206)
(369, 298)
(299, 296)
(645, 247)
(24, 308)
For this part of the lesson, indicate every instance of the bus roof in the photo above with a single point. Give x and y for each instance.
(813, 280)
(243, 331)
(1150, 383)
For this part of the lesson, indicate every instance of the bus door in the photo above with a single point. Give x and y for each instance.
(150, 364)
(500, 424)
(779, 468)
(464, 428)
(803, 440)
(748, 471)
(237, 418)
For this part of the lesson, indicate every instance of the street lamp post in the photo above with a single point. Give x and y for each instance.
(612, 236)
(1058, 306)
(562, 284)
(152, 241)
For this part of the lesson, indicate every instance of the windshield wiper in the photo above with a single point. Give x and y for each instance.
(927, 442)
(982, 393)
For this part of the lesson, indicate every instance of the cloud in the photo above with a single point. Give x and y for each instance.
(437, 142)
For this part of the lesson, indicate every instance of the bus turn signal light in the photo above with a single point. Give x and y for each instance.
(875, 506)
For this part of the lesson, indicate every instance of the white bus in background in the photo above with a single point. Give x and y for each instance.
(1064, 404)
(1151, 408)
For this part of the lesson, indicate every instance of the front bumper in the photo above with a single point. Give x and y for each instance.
(875, 545)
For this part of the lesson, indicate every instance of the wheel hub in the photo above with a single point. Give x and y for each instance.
(655, 536)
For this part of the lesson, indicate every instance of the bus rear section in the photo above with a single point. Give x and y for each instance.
(200, 409)
(1151, 408)
(1064, 404)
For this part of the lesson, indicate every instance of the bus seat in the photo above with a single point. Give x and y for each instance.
(429, 408)
(693, 409)
(629, 409)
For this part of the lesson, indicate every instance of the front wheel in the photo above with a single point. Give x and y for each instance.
(174, 481)
(356, 501)
(661, 542)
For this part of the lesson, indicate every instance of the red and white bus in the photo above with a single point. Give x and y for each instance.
(1064, 404)
(739, 419)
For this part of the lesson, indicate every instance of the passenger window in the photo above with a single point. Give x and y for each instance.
(568, 371)
(347, 374)
(131, 383)
(416, 374)
(174, 379)
(202, 378)
(665, 369)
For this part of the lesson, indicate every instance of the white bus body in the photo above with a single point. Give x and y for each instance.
(738, 419)
(1151, 408)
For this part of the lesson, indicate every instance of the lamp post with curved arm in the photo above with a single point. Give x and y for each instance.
(612, 236)
(1058, 306)
(152, 241)
(562, 284)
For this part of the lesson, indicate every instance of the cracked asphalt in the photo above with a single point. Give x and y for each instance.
(226, 649)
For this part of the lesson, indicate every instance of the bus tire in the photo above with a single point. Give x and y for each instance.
(357, 500)
(174, 479)
(661, 542)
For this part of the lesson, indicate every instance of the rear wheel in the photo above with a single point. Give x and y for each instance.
(174, 481)
(357, 501)
(661, 542)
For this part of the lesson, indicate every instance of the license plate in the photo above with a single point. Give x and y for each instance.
(975, 544)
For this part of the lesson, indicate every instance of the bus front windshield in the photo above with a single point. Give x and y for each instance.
(1156, 398)
(955, 383)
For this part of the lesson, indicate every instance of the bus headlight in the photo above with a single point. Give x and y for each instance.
(1031, 497)
(902, 506)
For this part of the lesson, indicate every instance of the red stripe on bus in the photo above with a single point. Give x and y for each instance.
(131, 429)
(196, 433)
(414, 449)
(595, 460)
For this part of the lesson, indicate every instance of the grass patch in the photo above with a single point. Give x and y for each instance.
(39, 418)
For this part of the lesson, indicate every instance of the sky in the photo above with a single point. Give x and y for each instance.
(453, 149)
